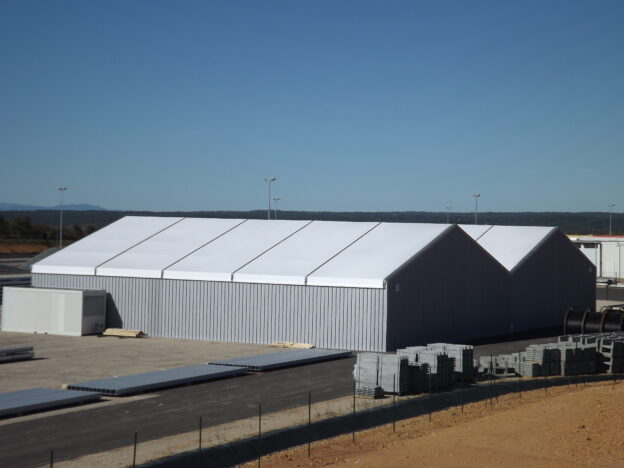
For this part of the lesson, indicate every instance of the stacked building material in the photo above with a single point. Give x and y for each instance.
(464, 359)
(546, 356)
(390, 372)
(612, 351)
(502, 365)
(16, 353)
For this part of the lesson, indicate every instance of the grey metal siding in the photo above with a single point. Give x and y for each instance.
(329, 317)
(453, 291)
(556, 276)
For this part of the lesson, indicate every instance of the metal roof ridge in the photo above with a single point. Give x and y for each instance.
(162, 272)
(535, 247)
(138, 243)
(270, 248)
(339, 252)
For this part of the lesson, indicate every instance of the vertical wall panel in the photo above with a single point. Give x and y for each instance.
(330, 317)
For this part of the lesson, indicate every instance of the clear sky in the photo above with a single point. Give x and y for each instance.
(353, 105)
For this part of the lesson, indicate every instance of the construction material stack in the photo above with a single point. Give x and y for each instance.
(464, 360)
(16, 353)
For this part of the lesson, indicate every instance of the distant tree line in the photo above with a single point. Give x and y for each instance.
(43, 224)
(23, 228)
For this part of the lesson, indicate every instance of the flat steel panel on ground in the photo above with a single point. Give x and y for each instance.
(138, 383)
(38, 399)
(282, 359)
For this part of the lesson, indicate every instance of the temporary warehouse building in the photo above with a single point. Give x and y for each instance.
(349, 285)
(547, 272)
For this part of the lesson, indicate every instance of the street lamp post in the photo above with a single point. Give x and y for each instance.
(275, 199)
(448, 209)
(476, 197)
(62, 190)
(269, 181)
(611, 205)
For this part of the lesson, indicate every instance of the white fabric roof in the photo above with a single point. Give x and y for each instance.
(367, 262)
(149, 258)
(291, 261)
(218, 260)
(318, 253)
(84, 256)
(475, 230)
(511, 244)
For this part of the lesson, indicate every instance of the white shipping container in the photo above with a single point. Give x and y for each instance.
(54, 311)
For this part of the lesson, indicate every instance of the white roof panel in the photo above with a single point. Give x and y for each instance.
(218, 260)
(475, 230)
(511, 244)
(370, 260)
(84, 256)
(291, 261)
(151, 257)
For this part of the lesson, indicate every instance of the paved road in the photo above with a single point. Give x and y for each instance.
(174, 411)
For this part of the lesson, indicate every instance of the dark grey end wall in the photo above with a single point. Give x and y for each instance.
(556, 276)
(453, 291)
(342, 318)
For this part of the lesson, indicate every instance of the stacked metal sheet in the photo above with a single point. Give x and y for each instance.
(16, 353)
(278, 360)
(39, 399)
(149, 381)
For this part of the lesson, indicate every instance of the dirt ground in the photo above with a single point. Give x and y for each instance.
(26, 248)
(567, 426)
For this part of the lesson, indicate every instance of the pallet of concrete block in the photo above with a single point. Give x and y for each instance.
(441, 367)
(373, 392)
(16, 353)
(388, 371)
(502, 365)
(547, 356)
(464, 359)
(612, 350)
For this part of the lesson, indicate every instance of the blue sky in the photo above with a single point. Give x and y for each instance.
(353, 105)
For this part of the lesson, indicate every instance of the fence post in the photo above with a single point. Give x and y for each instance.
(429, 402)
(52, 458)
(259, 433)
(353, 433)
(136, 435)
(200, 433)
(394, 389)
(309, 423)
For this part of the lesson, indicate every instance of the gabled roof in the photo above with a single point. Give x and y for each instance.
(84, 256)
(320, 253)
(509, 245)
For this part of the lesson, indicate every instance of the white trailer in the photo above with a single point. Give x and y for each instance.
(54, 311)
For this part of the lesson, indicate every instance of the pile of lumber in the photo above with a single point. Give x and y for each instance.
(290, 344)
(121, 333)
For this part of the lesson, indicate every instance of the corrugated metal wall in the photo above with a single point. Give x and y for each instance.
(343, 318)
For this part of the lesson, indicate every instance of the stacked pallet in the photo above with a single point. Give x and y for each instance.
(16, 353)
(464, 359)
(541, 360)
(389, 372)
(612, 350)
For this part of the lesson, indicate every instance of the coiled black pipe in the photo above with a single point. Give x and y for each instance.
(609, 319)
(574, 321)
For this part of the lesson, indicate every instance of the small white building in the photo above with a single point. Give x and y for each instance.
(606, 253)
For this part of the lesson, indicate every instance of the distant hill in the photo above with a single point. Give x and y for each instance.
(75, 207)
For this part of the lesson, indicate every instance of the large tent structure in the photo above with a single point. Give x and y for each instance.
(348, 285)
(547, 272)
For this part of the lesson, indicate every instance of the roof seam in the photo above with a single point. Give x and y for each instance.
(133, 246)
(270, 248)
(484, 233)
(162, 272)
(339, 252)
